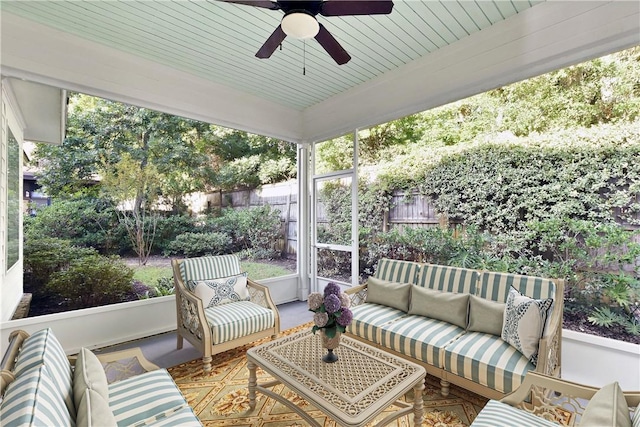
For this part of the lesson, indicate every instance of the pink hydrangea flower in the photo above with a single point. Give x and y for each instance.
(345, 301)
(320, 319)
(315, 300)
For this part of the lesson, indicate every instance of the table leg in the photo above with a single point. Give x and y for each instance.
(418, 404)
(253, 382)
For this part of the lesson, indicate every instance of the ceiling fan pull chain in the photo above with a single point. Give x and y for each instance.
(304, 57)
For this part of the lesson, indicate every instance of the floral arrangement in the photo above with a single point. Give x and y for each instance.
(332, 311)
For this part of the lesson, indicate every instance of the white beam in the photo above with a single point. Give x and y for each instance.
(45, 55)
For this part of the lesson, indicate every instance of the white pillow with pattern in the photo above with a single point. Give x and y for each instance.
(222, 290)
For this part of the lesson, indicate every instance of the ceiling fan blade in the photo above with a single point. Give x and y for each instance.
(271, 44)
(357, 7)
(331, 45)
(257, 3)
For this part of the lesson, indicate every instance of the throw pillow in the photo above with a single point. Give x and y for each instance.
(607, 407)
(89, 373)
(485, 315)
(223, 290)
(523, 323)
(391, 294)
(447, 306)
(94, 411)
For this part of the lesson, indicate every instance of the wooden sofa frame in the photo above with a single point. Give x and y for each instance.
(549, 345)
(192, 323)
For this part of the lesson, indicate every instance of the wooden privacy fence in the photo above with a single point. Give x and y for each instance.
(408, 210)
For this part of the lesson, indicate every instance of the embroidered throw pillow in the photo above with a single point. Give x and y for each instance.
(523, 323)
(223, 290)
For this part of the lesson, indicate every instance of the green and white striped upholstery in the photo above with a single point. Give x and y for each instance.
(420, 337)
(33, 399)
(144, 398)
(183, 418)
(368, 318)
(486, 359)
(448, 279)
(498, 414)
(393, 270)
(44, 348)
(495, 286)
(209, 267)
(635, 421)
(238, 319)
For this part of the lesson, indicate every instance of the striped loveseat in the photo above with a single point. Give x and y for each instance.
(40, 387)
(452, 320)
(213, 328)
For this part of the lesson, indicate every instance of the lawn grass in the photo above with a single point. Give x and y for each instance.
(149, 274)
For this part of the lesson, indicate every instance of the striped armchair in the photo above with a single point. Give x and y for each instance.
(212, 328)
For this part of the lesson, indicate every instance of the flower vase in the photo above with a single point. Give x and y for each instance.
(330, 344)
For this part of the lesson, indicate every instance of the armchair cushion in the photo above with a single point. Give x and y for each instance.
(223, 290)
(523, 324)
(231, 321)
(33, 399)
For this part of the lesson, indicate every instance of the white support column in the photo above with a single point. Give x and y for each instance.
(355, 226)
(304, 236)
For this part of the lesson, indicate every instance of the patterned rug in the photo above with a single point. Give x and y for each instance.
(221, 397)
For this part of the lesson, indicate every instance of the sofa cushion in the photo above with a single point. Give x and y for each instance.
(239, 319)
(223, 290)
(393, 270)
(33, 399)
(368, 318)
(144, 398)
(495, 286)
(486, 359)
(44, 348)
(449, 279)
(524, 321)
(391, 294)
(607, 407)
(485, 315)
(447, 306)
(94, 411)
(420, 337)
(183, 418)
(88, 373)
(498, 414)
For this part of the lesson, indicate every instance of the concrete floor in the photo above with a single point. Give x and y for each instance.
(161, 349)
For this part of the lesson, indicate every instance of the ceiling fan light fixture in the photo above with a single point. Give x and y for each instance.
(300, 24)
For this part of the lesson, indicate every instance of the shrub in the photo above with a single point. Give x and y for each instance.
(92, 280)
(170, 227)
(198, 244)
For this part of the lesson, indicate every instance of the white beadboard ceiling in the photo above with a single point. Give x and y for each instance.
(217, 40)
(196, 57)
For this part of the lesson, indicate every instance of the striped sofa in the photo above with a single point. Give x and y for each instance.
(40, 387)
(478, 361)
(219, 328)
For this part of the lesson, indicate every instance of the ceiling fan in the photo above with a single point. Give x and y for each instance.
(300, 21)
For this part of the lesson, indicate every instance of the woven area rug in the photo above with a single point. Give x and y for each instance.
(221, 397)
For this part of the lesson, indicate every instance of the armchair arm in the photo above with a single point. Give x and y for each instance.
(191, 317)
(261, 295)
(120, 365)
(549, 346)
(358, 294)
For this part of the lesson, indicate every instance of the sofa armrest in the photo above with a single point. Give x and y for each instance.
(553, 398)
(357, 294)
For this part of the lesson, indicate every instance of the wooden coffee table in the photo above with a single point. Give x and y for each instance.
(352, 391)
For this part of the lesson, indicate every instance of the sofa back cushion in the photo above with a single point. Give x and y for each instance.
(33, 399)
(397, 271)
(43, 348)
(448, 279)
(391, 294)
(208, 267)
(495, 286)
(447, 306)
